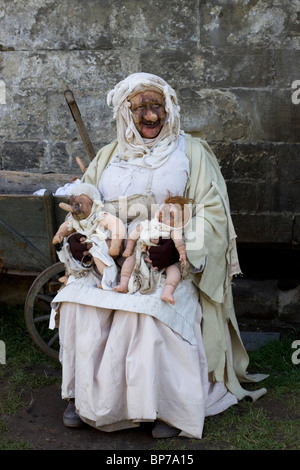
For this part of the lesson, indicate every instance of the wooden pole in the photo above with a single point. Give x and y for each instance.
(79, 122)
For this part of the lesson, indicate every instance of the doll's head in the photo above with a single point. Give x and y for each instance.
(175, 211)
(81, 206)
(81, 201)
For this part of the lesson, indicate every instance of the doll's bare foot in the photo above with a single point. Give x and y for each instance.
(113, 253)
(123, 286)
(100, 286)
(64, 279)
(168, 298)
(167, 294)
(127, 253)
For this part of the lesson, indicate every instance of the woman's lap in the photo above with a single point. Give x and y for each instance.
(124, 367)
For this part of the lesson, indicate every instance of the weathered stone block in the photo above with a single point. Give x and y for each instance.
(253, 340)
(240, 114)
(86, 69)
(264, 198)
(96, 115)
(140, 26)
(271, 172)
(296, 230)
(214, 115)
(233, 68)
(22, 155)
(258, 162)
(286, 68)
(23, 116)
(249, 24)
(99, 25)
(175, 63)
(255, 298)
(271, 114)
(288, 303)
(225, 156)
(262, 228)
(211, 68)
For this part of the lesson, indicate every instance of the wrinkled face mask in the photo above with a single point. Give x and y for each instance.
(148, 112)
(151, 135)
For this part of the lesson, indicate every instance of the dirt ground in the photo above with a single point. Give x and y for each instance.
(40, 424)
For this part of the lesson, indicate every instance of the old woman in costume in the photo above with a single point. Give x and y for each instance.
(130, 358)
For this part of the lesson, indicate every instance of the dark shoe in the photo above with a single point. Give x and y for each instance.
(70, 417)
(162, 430)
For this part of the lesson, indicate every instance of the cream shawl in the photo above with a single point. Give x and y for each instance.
(207, 187)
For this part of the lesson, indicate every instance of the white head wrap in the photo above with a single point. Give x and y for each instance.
(90, 191)
(155, 151)
(87, 189)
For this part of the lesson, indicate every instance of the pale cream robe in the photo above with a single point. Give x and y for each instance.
(207, 187)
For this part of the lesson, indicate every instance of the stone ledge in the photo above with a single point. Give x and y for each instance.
(263, 299)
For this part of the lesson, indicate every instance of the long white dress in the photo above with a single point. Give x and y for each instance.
(123, 366)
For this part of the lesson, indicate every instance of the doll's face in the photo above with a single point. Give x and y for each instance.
(171, 214)
(81, 206)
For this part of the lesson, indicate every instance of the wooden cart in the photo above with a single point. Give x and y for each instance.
(27, 226)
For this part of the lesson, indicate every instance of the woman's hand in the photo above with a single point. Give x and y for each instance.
(164, 254)
(78, 248)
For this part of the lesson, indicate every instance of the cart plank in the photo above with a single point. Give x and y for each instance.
(26, 231)
(18, 182)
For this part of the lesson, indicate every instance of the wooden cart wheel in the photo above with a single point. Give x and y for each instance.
(37, 309)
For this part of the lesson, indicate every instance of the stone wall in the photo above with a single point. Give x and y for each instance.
(233, 64)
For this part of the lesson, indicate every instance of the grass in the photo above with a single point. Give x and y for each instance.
(271, 423)
(18, 375)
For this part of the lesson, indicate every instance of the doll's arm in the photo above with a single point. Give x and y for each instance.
(176, 236)
(61, 233)
(118, 232)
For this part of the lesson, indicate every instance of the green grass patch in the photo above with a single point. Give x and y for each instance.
(284, 376)
(19, 374)
(248, 426)
(271, 423)
(8, 444)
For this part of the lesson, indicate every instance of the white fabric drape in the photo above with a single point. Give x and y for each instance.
(128, 367)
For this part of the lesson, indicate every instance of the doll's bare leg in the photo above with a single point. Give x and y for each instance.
(126, 272)
(130, 244)
(100, 266)
(173, 277)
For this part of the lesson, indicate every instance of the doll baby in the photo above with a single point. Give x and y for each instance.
(98, 226)
(167, 223)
